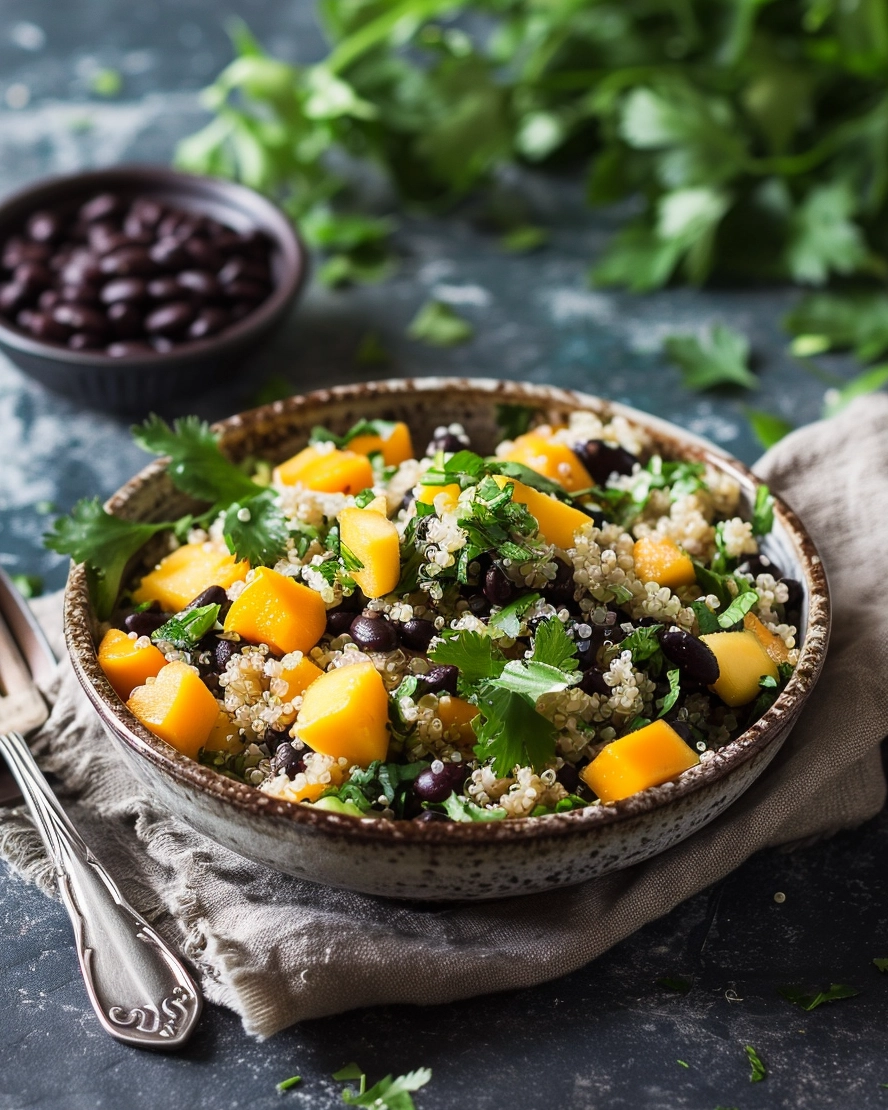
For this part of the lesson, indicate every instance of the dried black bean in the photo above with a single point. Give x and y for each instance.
(437, 786)
(101, 207)
(128, 262)
(84, 293)
(569, 777)
(34, 276)
(47, 300)
(132, 290)
(161, 344)
(691, 656)
(237, 268)
(243, 290)
(339, 621)
(169, 254)
(288, 761)
(593, 682)
(44, 227)
(204, 254)
(170, 320)
(416, 634)
(17, 250)
(602, 460)
(209, 321)
(201, 282)
(429, 816)
(561, 589)
(441, 679)
(373, 633)
(497, 588)
(146, 622)
(43, 326)
(126, 348)
(126, 320)
(164, 289)
(13, 297)
(104, 239)
(80, 317)
(85, 341)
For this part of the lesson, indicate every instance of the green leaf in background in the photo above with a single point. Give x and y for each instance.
(28, 585)
(371, 351)
(856, 319)
(389, 1093)
(513, 420)
(767, 427)
(868, 382)
(810, 1001)
(106, 82)
(716, 360)
(759, 1071)
(521, 240)
(438, 325)
(881, 964)
(823, 237)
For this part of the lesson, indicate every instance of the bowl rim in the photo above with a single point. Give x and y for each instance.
(155, 178)
(79, 620)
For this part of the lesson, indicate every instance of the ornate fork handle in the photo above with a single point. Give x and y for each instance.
(139, 988)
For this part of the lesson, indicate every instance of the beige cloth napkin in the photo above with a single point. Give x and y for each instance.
(277, 950)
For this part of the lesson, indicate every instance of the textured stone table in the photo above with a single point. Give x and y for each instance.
(607, 1036)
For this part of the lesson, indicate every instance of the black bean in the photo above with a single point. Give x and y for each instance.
(169, 254)
(683, 729)
(17, 250)
(105, 239)
(204, 254)
(429, 816)
(441, 679)
(176, 224)
(446, 441)
(126, 348)
(13, 297)
(85, 341)
(44, 326)
(432, 786)
(83, 293)
(250, 291)
(479, 606)
(373, 633)
(237, 268)
(212, 595)
(416, 634)
(796, 593)
(201, 282)
(128, 262)
(692, 657)
(561, 589)
(287, 760)
(209, 321)
(34, 276)
(101, 207)
(164, 289)
(569, 777)
(80, 317)
(124, 289)
(602, 460)
(44, 227)
(222, 652)
(48, 299)
(146, 622)
(171, 319)
(240, 309)
(593, 682)
(253, 243)
(125, 320)
(161, 344)
(136, 231)
(339, 621)
(497, 588)
(82, 268)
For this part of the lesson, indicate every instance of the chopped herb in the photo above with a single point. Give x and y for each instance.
(474, 653)
(682, 1063)
(464, 809)
(286, 1084)
(256, 529)
(810, 1001)
(367, 785)
(350, 1071)
(668, 983)
(881, 964)
(534, 679)
(28, 585)
(763, 511)
(349, 560)
(856, 319)
(738, 608)
(525, 238)
(508, 619)
(706, 619)
(185, 630)
(552, 645)
(381, 428)
(512, 733)
(389, 1093)
(767, 428)
(438, 325)
(513, 420)
(719, 359)
(759, 1072)
(671, 698)
(644, 646)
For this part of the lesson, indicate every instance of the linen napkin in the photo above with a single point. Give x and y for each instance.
(278, 950)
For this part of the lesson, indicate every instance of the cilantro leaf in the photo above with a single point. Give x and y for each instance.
(823, 237)
(512, 733)
(381, 428)
(759, 1071)
(868, 382)
(534, 679)
(810, 1001)
(28, 585)
(644, 646)
(464, 809)
(187, 628)
(857, 319)
(389, 1093)
(508, 619)
(881, 964)
(767, 427)
(738, 608)
(197, 465)
(718, 359)
(513, 420)
(706, 619)
(104, 542)
(552, 645)
(438, 325)
(256, 529)
(763, 511)
(475, 654)
(350, 1071)
(671, 698)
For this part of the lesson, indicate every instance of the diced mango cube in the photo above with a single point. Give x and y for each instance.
(449, 495)
(457, 716)
(177, 707)
(659, 559)
(225, 736)
(373, 540)
(345, 714)
(558, 522)
(187, 572)
(769, 640)
(125, 665)
(742, 661)
(300, 677)
(275, 609)
(327, 471)
(551, 459)
(648, 757)
(395, 447)
(378, 505)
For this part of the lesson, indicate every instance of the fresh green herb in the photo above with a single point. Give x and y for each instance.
(381, 428)
(379, 780)
(513, 420)
(738, 608)
(350, 1071)
(185, 630)
(881, 964)
(767, 428)
(286, 1084)
(759, 1072)
(553, 646)
(508, 619)
(867, 382)
(389, 1093)
(671, 698)
(810, 1001)
(28, 585)
(463, 468)
(716, 584)
(44, 507)
(706, 619)
(644, 645)
(856, 319)
(256, 529)
(682, 1063)
(510, 469)
(439, 325)
(473, 653)
(512, 733)
(104, 542)
(464, 809)
(669, 983)
(534, 679)
(349, 560)
(763, 511)
(106, 82)
(680, 478)
(719, 359)
(371, 351)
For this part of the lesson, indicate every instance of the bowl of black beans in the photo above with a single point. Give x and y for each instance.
(129, 287)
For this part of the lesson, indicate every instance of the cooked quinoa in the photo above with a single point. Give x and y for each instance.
(512, 649)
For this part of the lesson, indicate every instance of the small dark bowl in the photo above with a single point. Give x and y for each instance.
(135, 384)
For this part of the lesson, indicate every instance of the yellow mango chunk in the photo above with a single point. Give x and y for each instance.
(125, 665)
(177, 707)
(345, 713)
(558, 522)
(653, 754)
(326, 471)
(276, 610)
(659, 559)
(225, 736)
(377, 505)
(373, 540)
(457, 716)
(449, 495)
(396, 447)
(300, 677)
(742, 661)
(187, 572)
(769, 640)
(551, 459)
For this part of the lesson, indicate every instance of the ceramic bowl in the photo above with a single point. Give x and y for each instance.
(139, 383)
(443, 861)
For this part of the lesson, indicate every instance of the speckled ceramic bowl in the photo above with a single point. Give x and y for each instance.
(444, 861)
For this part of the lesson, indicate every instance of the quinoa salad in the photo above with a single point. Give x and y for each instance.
(441, 635)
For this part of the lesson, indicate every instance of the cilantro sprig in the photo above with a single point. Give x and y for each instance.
(810, 1000)
(185, 630)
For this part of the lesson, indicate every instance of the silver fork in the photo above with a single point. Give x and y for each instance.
(140, 990)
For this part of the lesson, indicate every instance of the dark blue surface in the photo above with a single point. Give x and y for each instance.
(607, 1036)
